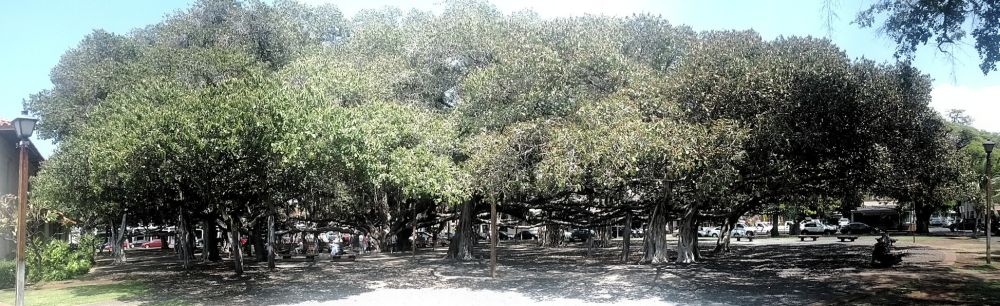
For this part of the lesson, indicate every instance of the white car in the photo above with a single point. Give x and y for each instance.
(843, 222)
(741, 230)
(815, 228)
(715, 232)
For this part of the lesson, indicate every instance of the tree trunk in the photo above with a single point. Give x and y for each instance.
(260, 242)
(270, 242)
(183, 251)
(234, 242)
(463, 242)
(210, 243)
(164, 245)
(923, 219)
(413, 232)
(552, 235)
(655, 243)
(722, 244)
(494, 238)
(627, 237)
(687, 238)
(116, 246)
(774, 225)
(793, 229)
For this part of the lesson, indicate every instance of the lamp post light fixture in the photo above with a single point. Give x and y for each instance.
(23, 126)
(988, 147)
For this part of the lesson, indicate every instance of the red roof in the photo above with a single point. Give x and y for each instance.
(4, 123)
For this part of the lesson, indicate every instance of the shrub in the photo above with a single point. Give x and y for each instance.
(59, 262)
(8, 270)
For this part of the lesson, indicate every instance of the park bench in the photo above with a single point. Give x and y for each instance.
(803, 237)
(845, 238)
(748, 238)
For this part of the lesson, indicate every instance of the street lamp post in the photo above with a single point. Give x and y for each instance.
(988, 147)
(23, 126)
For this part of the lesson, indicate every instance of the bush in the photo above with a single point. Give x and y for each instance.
(59, 262)
(8, 270)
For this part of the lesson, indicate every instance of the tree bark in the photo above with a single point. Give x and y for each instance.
(463, 243)
(551, 235)
(722, 244)
(627, 237)
(655, 243)
(210, 243)
(413, 232)
(234, 244)
(687, 238)
(183, 251)
(116, 247)
(774, 225)
(493, 238)
(259, 242)
(270, 242)
(923, 219)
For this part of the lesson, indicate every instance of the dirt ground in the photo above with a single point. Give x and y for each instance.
(782, 271)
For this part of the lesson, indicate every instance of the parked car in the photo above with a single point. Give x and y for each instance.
(964, 225)
(155, 243)
(831, 229)
(937, 221)
(715, 232)
(843, 222)
(526, 235)
(814, 228)
(703, 231)
(854, 228)
(741, 230)
(580, 235)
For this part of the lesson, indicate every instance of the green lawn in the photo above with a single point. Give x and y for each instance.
(79, 295)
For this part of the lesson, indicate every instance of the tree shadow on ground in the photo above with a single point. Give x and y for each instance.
(785, 274)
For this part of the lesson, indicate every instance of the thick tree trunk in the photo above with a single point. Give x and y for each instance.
(210, 243)
(413, 233)
(164, 245)
(655, 243)
(183, 250)
(793, 229)
(234, 243)
(687, 238)
(551, 235)
(260, 242)
(116, 247)
(774, 225)
(627, 237)
(270, 242)
(722, 244)
(463, 243)
(923, 219)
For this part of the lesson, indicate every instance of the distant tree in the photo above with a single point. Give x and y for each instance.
(947, 22)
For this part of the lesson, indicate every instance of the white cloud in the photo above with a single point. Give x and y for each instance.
(980, 103)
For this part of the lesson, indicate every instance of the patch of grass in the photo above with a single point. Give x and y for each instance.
(80, 295)
(983, 268)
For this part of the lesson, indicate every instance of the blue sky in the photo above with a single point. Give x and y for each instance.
(36, 33)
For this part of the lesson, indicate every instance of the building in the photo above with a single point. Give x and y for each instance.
(9, 166)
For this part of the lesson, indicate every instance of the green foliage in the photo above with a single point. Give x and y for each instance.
(8, 273)
(914, 23)
(59, 262)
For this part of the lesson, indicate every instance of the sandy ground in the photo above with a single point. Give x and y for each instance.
(772, 271)
(466, 297)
